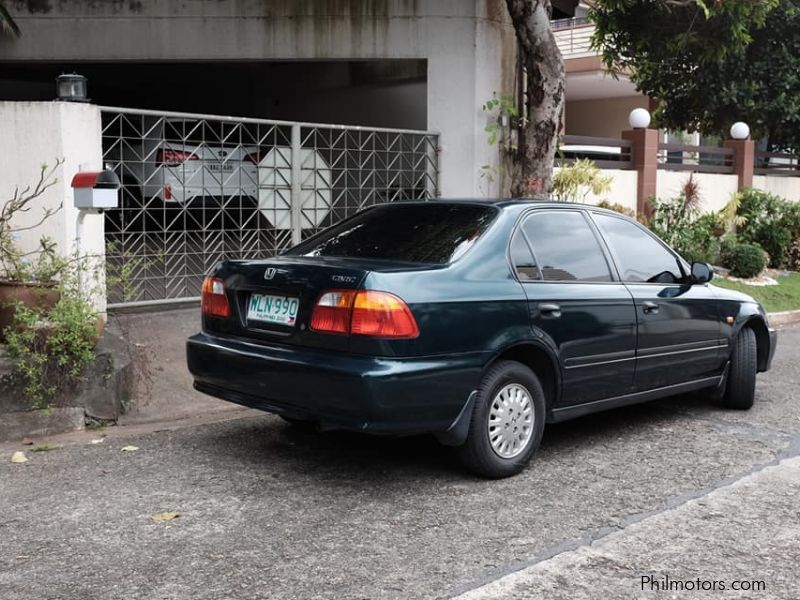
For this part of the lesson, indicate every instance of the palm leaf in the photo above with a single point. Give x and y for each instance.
(7, 23)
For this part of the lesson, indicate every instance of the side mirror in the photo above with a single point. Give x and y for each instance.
(702, 272)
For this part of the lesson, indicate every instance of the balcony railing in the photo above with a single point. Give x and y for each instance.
(574, 37)
(777, 163)
(557, 24)
(699, 159)
(605, 153)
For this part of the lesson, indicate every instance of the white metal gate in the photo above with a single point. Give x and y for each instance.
(197, 189)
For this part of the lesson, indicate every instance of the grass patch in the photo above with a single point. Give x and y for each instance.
(775, 298)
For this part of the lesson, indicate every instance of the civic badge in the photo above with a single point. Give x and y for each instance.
(270, 273)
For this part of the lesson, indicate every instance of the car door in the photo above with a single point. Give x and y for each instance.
(679, 329)
(576, 304)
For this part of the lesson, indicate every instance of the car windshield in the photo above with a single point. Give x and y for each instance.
(418, 233)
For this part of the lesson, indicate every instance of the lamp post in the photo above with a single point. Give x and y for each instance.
(71, 88)
(643, 154)
(740, 131)
(639, 118)
(743, 159)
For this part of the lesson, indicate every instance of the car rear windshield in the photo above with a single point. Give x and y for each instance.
(435, 233)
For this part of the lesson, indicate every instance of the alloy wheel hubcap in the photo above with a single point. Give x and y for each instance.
(511, 418)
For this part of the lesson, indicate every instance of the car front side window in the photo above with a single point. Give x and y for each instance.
(639, 256)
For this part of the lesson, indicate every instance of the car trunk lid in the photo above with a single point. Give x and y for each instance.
(272, 300)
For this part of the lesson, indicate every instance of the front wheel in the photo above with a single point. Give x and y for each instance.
(741, 387)
(507, 421)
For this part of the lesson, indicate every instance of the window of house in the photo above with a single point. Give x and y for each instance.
(565, 247)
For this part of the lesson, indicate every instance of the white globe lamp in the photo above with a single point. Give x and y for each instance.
(740, 131)
(639, 118)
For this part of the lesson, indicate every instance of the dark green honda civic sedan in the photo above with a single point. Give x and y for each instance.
(476, 321)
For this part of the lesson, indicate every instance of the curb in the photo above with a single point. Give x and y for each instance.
(784, 318)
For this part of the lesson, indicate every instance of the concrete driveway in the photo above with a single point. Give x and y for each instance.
(267, 511)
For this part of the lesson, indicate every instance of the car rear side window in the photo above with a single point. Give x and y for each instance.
(639, 256)
(434, 233)
(565, 247)
(522, 259)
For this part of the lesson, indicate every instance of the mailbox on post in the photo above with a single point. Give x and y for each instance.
(96, 189)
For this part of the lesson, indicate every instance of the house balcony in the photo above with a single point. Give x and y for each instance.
(574, 37)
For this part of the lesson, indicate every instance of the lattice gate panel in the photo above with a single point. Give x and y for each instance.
(198, 189)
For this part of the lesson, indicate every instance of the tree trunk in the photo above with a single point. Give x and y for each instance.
(544, 101)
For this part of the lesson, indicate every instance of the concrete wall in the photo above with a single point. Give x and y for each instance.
(468, 44)
(786, 187)
(607, 117)
(715, 189)
(36, 133)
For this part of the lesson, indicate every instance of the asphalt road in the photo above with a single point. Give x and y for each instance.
(267, 511)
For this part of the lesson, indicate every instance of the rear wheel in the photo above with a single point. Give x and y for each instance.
(507, 421)
(741, 387)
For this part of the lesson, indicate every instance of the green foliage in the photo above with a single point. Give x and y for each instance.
(51, 347)
(746, 260)
(793, 260)
(503, 110)
(503, 120)
(678, 222)
(710, 63)
(769, 221)
(700, 242)
(574, 183)
(620, 208)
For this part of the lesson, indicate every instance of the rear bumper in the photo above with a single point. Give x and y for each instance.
(344, 391)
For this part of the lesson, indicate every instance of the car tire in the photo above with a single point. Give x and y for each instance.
(507, 386)
(741, 387)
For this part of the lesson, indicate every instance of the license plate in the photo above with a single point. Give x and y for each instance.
(220, 167)
(281, 310)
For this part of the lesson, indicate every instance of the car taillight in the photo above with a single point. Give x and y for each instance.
(214, 302)
(367, 312)
(173, 158)
(333, 311)
(381, 314)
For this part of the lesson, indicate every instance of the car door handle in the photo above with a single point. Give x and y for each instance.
(552, 310)
(650, 308)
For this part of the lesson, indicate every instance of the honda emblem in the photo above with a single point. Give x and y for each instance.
(270, 273)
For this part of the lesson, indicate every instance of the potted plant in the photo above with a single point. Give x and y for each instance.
(29, 277)
(48, 321)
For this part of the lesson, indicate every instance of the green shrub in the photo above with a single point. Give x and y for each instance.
(769, 221)
(615, 206)
(52, 347)
(676, 221)
(699, 241)
(574, 183)
(793, 260)
(726, 244)
(746, 260)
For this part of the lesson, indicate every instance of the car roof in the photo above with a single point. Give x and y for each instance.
(512, 203)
